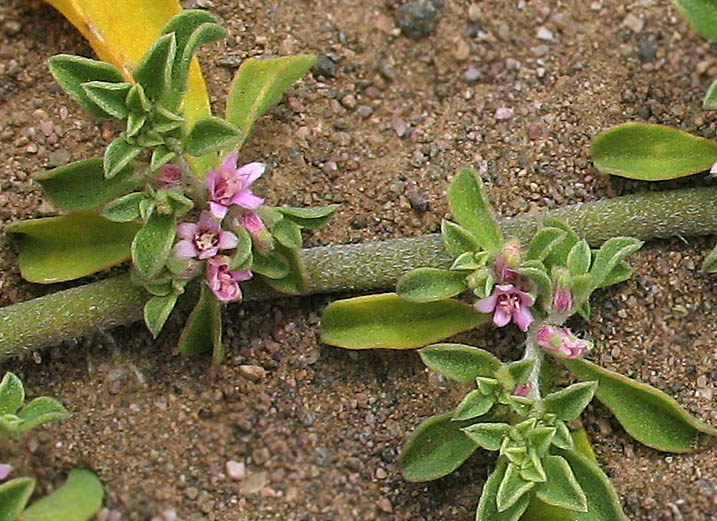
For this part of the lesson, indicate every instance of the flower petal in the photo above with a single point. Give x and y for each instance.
(486, 305)
(501, 318)
(5, 470)
(251, 172)
(187, 230)
(218, 210)
(185, 249)
(207, 223)
(523, 318)
(241, 275)
(247, 200)
(227, 240)
(230, 161)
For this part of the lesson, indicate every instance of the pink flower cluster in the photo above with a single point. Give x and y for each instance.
(204, 240)
(508, 304)
(561, 342)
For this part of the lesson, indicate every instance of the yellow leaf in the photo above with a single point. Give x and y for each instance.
(120, 32)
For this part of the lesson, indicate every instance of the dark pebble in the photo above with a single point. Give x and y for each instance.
(58, 158)
(359, 223)
(364, 111)
(385, 68)
(648, 52)
(325, 67)
(230, 60)
(644, 113)
(419, 18)
(418, 201)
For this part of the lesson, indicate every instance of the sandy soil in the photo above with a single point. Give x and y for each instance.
(381, 131)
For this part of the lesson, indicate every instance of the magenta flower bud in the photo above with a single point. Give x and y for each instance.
(224, 282)
(522, 390)
(562, 300)
(506, 262)
(168, 177)
(203, 239)
(560, 342)
(507, 303)
(256, 228)
(229, 185)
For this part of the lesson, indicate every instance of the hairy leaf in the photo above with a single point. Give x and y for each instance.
(487, 507)
(430, 285)
(12, 394)
(579, 258)
(709, 265)
(470, 207)
(272, 265)
(152, 244)
(647, 414)
(56, 249)
(203, 331)
(258, 85)
(457, 239)
(609, 256)
(568, 403)
(41, 410)
(82, 185)
(437, 448)
(473, 405)
(157, 311)
(558, 256)
(287, 233)
(209, 135)
(309, 218)
(487, 435)
(512, 488)
(14, 495)
(154, 71)
(295, 282)
(543, 242)
(110, 97)
(701, 15)
(389, 321)
(78, 499)
(118, 155)
(561, 488)
(459, 362)
(651, 152)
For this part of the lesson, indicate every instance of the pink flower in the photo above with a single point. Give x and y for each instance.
(560, 342)
(522, 390)
(229, 185)
(222, 281)
(203, 239)
(256, 228)
(507, 303)
(5, 470)
(562, 300)
(168, 177)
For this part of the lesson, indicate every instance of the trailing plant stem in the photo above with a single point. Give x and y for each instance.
(535, 353)
(79, 311)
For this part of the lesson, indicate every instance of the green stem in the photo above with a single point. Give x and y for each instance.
(535, 353)
(82, 310)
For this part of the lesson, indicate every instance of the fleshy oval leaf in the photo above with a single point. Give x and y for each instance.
(437, 448)
(14, 495)
(568, 403)
(56, 249)
(43, 409)
(701, 15)
(647, 414)
(651, 152)
(203, 331)
(488, 508)
(12, 394)
(430, 285)
(78, 499)
(388, 321)
(470, 207)
(152, 244)
(260, 84)
(459, 362)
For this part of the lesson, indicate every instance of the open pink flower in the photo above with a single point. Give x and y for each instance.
(223, 281)
(203, 239)
(229, 185)
(5, 470)
(507, 303)
(560, 342)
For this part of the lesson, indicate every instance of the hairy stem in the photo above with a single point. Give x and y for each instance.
(82, 310)
(535, 353)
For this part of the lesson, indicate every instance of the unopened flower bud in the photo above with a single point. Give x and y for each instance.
(506, 262)
(560, 342)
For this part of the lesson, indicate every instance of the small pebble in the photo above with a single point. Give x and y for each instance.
(634, 23)
(364, 111)
(236, 470)
(545, 34)
(503, 113)
(472, 75)
(253, 372)
(419, 19)
(399, 126)
(325, 67)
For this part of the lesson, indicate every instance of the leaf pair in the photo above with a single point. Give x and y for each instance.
(16, 418)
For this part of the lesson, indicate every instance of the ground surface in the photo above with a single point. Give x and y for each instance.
(381, 131)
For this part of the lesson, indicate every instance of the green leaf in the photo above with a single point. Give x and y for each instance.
(558, 256)
(272, 265)
(647, 414)
(137, 100)
(611, 253)
(437, 448)
(110, 97)
(295, 282)
(203, 331)
(562, 488)
(536, 271)
(210, 134)
(488, 436)
(78, 499)
(651, 152)
(118, 155)
(82, 185)
(192, 29)
(459, 362)
(568, 403)
(152, 244)
(520, 370)
(41, 410)
(470, 207)
(473, 405)
(543, 243)
(12, 394)
(154, 71)
(389, 321)
(512, 488)
(56, 249)
(72, 71)
(124, 209)
(457, 239)
(135, 123)
(709, 265)
(287, 233)
(430, 284)
(161, 155)
(710, 100)
(157, 311)
(258, 85)
(701, 15)
(487, 507)
(14, 495)
(579, 258)
(309, 218)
